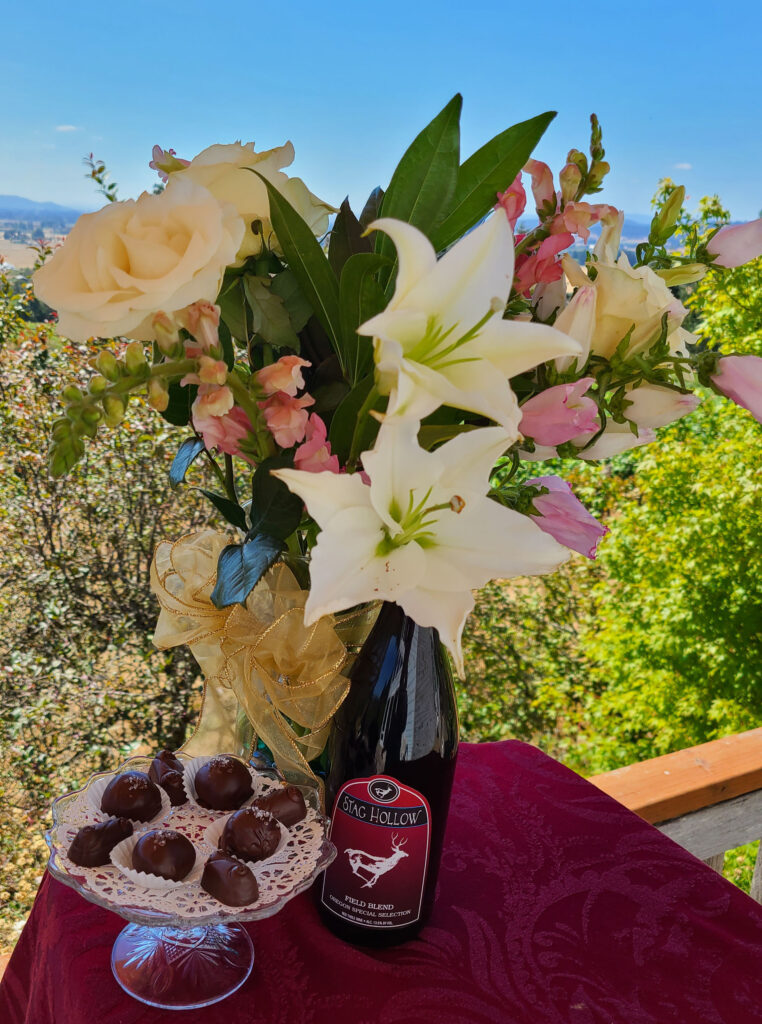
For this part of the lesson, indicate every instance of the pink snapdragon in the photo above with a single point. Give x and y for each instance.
(286, 418)
(541, 265)
(314, 455)
(560, 413)
(740, 379)
(283, 375)
(736, 244)
(202, 321)
(513, 200)
(565, 518)
(577, 218)
(226, 433)
(543, 189)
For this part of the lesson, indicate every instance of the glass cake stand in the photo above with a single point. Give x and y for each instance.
(186, 956)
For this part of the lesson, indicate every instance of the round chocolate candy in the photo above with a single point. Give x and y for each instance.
(229, 881)
(92, 845)
(250, 834)
(286, 804)
(167, 771)
(165, 853)
(131, 795)
(223, 783)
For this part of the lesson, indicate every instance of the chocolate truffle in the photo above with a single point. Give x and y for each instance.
(132, 795)
(165, 853)
(285, 804)
(250, 834)
(229, 881)
(166, 771)
(92, 845)
(223, 783)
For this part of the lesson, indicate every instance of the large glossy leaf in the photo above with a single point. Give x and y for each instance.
(307, 260)
(274, 509)
(287, 287)
(269, 317)
(241, 566)
(372, 208)
(188, 451)
(345, 419)
(233, 308)
(360, 298)
(423, 185)
(181, 399)
(230, 510)
(346, 238)
(490, 170)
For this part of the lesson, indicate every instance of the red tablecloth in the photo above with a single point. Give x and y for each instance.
(556, 906)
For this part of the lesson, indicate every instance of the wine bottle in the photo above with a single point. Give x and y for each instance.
(392, 751)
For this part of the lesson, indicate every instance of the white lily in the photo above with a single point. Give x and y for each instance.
(423, 534)
(442, 339)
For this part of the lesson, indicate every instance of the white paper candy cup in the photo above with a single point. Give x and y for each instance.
(281, 854)
(95, 795)
(121, 857)
(189, 781)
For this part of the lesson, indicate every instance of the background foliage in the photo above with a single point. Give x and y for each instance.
(653, 647)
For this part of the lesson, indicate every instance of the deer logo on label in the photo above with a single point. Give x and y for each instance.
(373, 866)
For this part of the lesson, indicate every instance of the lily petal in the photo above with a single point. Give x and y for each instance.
(515, 346)
(474, 386)
(415, 254)
(326, 494)
(345, 563)
(446, 612)
(470, 276)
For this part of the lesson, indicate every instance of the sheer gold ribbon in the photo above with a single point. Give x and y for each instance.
(259, 658)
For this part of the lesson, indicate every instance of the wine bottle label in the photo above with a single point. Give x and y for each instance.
(382, 831)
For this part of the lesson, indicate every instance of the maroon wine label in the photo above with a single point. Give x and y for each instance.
(382, 831)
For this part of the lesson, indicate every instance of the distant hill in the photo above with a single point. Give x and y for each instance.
(19, 208)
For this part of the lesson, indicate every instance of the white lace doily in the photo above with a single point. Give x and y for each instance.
(290, 870)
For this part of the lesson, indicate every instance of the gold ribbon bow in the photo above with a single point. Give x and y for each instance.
(259, 658)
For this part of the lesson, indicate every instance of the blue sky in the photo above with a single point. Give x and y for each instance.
(678, 88)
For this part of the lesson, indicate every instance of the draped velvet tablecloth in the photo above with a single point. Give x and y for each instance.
(556, 906)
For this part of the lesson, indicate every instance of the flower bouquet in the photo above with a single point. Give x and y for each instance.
(366, 388)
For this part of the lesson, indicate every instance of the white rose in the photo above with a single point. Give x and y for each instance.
(223, 170)
(132, 259)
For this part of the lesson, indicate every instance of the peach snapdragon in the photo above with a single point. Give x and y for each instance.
(283, 375)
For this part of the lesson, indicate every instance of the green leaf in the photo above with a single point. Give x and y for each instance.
(423, 185)
(233, 310)
(241, 566)
(307, 260)
(345, 419)
(181, 398)
(360, 298)
(230, 510)
(346, 238)
(269, 317)
(372, 208)
(432, 434)
(490, 170)
(188, 451)
(274, 509)
(287, 287)
(226, 343)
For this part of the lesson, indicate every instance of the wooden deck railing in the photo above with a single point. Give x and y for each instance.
(707, 798)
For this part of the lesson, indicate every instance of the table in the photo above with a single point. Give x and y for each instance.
(556, 906)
